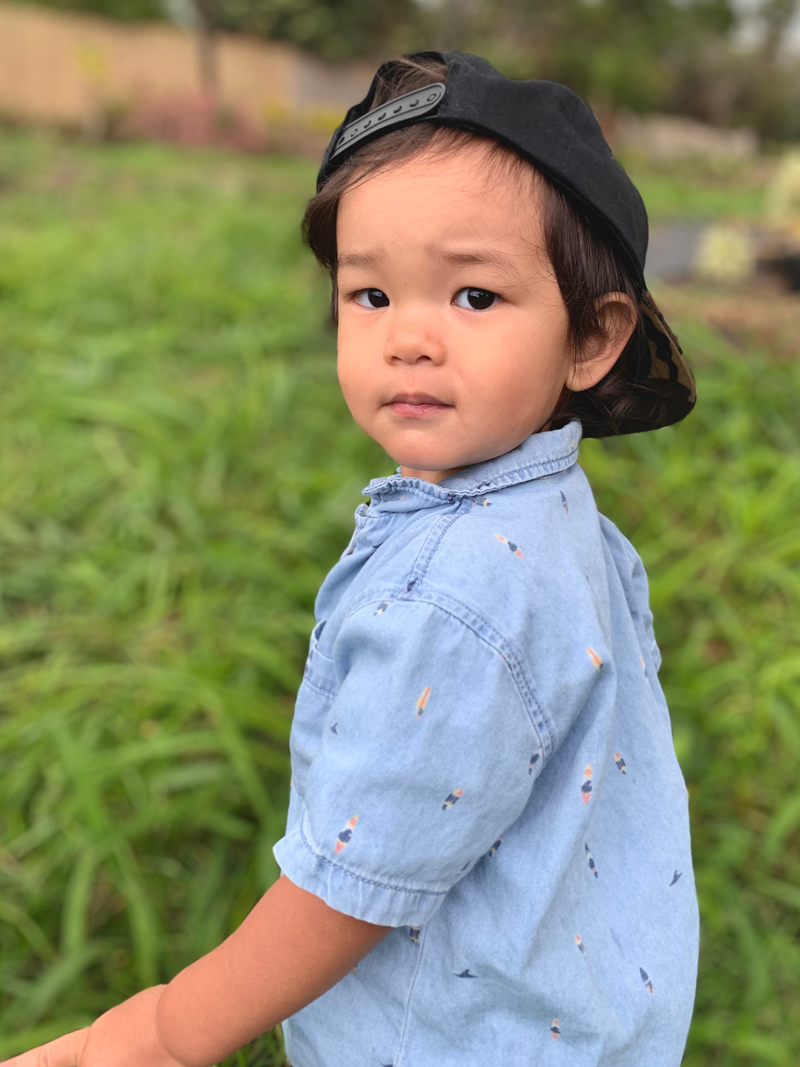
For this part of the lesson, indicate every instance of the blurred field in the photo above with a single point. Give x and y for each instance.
(178, 472)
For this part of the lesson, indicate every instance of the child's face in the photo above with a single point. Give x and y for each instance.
(444, 290)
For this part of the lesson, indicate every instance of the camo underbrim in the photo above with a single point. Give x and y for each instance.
(666, 355)
(663, 389)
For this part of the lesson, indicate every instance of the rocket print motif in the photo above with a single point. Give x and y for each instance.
(483, 503)
(413, 933)
(579, 944)
(647, 983)
(422, 700)
(644, 668)
(620, 762)
(534, 760)
(597, 663)
(495, 846)
(333, 727)
(675, 877)
(564, 502)
(514, 548)
(346, 834)
(465, 974)
(384, 604)
(592, 864)
(555, 1030)
(452, 798)
(586, 788)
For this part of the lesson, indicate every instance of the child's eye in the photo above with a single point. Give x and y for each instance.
(372, 298)
(476, 299)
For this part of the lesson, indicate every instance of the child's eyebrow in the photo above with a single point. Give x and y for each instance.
(479, 257)
(354, 260)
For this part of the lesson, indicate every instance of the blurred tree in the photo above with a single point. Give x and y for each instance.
(776, 16)
(646, 55)
(334, 29)
(616, 52)
(127, 10)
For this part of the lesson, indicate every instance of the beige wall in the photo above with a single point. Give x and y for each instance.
(58, 67)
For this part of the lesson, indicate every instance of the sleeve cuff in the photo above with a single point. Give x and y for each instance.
(350, 893)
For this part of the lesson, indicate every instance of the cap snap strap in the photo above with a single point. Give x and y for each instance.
(417, 103)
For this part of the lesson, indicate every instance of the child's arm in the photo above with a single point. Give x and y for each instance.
(289, 950)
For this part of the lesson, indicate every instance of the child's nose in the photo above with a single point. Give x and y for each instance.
(412, 338)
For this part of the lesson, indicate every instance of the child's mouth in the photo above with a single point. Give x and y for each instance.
(417, 404)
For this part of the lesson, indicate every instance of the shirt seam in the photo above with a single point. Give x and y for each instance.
(559, 460)
(429, 546)
(504, 648)
(407, 1018)
(360, 877)
(319, 688)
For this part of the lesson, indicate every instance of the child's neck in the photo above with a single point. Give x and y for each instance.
(428, 476)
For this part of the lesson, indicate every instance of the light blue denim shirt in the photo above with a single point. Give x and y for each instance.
(482, 758)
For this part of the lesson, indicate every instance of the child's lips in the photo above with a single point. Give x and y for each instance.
(417, 404)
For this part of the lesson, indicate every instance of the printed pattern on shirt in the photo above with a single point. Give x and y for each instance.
(495, 846)
(346, 834)
(590, 861)
(515, 549)
(597, 663)
(498, 868)
(422, 700)
(586, 788)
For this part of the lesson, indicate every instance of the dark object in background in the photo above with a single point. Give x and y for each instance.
(785, 265)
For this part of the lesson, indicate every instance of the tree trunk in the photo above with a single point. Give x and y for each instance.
(207, 67)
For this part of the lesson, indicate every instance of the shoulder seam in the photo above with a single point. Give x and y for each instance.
(429, 547)
(488, 634)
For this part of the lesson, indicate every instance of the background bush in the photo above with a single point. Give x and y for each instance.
(722, 61)
(178, 472)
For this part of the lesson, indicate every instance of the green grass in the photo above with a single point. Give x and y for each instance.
(178, 471)
(706, 191)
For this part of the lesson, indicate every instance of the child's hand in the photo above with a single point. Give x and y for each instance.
(125, 1036)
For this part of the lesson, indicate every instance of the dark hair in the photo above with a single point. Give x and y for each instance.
(585, 261)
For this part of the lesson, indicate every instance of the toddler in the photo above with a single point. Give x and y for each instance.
(487, 856)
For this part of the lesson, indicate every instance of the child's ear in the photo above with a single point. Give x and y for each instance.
(617, 316)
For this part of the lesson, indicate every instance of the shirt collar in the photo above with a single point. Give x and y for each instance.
(538, 455)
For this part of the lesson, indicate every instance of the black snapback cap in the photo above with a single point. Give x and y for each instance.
(551, 126)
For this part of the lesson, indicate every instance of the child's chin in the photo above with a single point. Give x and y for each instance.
(429, 462)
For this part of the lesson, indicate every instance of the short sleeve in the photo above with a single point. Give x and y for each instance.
(637, 592)
(427, 756)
